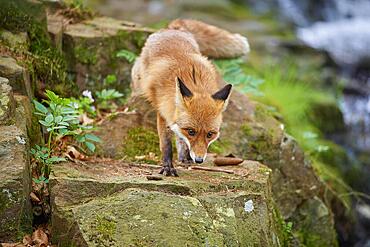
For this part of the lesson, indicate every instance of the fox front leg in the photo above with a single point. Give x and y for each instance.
(183, 151)
(166, 147)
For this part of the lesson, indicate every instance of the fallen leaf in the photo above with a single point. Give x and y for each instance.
(74, 153)
(13, 245)
(227, 161)
(27, 240)
(40, 238)
(34, 197)
(85, 120)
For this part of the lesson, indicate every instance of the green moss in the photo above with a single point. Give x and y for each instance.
(259, 144)
(46, 65)
(141, 141)
(139, 38)
(85, 55)
(106, 228)
(219, 147)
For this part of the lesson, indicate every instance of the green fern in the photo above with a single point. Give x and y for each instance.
(233, 73)
(128, 55)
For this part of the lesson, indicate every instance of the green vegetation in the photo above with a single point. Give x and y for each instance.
(128, 55)
(106, 97)
(141, 141)
(232, 72)
(60, 118)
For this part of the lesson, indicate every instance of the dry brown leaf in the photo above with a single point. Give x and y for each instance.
(34, 197)
(227, 161)
(12, 245)
(27, 240)
(40, 238)
(85, 120)
(74, 153)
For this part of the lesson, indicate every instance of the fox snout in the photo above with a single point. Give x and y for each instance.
(198, 157)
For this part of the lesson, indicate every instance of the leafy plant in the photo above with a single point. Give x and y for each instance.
(105, 98)
(43, 156)
(60, 118)
(232, 72)
(128, 55)
(109, 80)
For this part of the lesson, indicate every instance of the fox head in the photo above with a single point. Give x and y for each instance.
(198, 118)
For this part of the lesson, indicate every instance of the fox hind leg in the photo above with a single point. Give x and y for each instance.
(183, 151)
(166, 147)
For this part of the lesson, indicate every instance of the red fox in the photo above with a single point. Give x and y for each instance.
(173, 73)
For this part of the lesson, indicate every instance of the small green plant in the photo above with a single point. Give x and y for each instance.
(60, 118)
(109, 80)
(105, 98)
(128, 55)
(232, 72)
(43, 156)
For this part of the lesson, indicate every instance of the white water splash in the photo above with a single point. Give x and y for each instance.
(347, 40)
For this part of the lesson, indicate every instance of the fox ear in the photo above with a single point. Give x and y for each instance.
(182, 93)
(185, 92)
(223, 95)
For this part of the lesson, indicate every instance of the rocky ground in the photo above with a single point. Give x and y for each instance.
(112, 199)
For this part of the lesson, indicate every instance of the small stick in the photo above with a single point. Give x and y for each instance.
(210, 169)
(145, 165)
(153, 177)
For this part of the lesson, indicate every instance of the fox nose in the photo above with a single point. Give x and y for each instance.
(198, 160)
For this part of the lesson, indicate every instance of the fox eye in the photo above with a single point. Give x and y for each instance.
(209, 134)
(191, 132)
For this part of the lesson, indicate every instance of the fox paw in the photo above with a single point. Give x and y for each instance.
(168, 171)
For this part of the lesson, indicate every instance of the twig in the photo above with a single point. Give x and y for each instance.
(210, 169)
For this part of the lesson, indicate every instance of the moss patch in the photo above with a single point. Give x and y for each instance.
(85, 55)
(141, 141)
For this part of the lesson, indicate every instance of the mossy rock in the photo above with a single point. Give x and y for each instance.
(121, 207)
(311, 216)
(252, 131)
(17, 75)
(91, 46)
(15, 184)
(327, 117)
(7, 102)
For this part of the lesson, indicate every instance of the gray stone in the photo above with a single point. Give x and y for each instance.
(7, 103)
(18, 77)
(15, 183)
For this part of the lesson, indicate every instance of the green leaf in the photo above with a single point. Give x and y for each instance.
(110, 79)
(90, 146)
(64, 123)
(128, 55)
(70, 118)
(45, 123)
(80, 138)
(49, 118)
(55, 159)
(58, 119)
(40, 107)
(92, 137)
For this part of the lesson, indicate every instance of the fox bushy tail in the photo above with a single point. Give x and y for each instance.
(213, 42)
